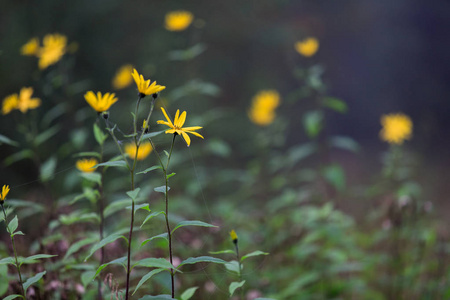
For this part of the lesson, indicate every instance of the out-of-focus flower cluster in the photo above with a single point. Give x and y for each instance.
(54, 46)
(396, 128)
(262, 111)
(21, 101)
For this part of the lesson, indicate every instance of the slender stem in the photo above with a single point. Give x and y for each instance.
(15, 253)
(238, 256)
(101, 207)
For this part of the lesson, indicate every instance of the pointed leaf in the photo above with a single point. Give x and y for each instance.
(151, 134)
(335, 104)
(194, 260)
(192, 223)
(13, 224)
(34, 258)
(161, 189)
(147, 277)
(42, 137)
(18, 233)
(140, 206)
(108, 240)
(7, 140)
(92, 177)
(157, 297)
(187, 294)
(223, 252)
(117, 163)
(33, 280)
(99, 135)
(150, 169)
(154, 214)
(89, 154)
(120, 261)
(78, 245)
(87, 277)
(47, 170)
(159, 236)
(233, 266)
(11, 297)
(235, 285)
(153, 262)
(254, 253)
(7, 261)
(133, 194)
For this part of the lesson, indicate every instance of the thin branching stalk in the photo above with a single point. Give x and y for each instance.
(101, 207)
(15, 253)
(238, 257)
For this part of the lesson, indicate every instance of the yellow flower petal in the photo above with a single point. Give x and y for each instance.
(178, 20)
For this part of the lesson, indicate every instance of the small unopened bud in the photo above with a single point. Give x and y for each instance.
(234, 236)
(105, 115)
(155, 95)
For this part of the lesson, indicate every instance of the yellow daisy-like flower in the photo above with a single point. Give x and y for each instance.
(233, 236)
(144, 86)
(25, 102)
(307, 47)
(178, 20)
(123, 77)
(10, 103)
(31, 48)
(5, 191)
(262, 111)
(177, 126)
(144, 150)
(86, 165)
(98, 102)
(54, 47)
(396, 128)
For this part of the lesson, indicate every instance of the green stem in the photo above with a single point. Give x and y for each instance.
(101, 207)
(238, 256)
(15, 252)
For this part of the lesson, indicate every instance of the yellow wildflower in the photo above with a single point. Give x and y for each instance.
(396, 128)
(178, 20)
(144, 150)
(5, 191)
(263, 107)
(9, 103)
(54, 47)
(123, 77)
(233, 236)
(144, 86)
(145, 126)
(25, 102)
(177, 126)
(86, 165)
(31, 48)
(98, 102)
(307, 47)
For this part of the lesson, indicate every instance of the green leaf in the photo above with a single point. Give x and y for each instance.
(194, 260)
(7, 140)
(147, 277)
(192, 223)
(26, 153)
(34, 258)
(44, 136)
(313, 122)
(119, 261)
(188, 54)
(170, 175)
(335, 175)
(13, 224)
(151, 134)
(116, 206)
(335, 104)
(223, 252)
(161, 189)
(153, 262)
(11, 297)
(107, 240)
(158, 297)
(150, 169)
(18, 233)
(7, 261)
(133, 194)
(187, 294)
(116, 163)
(233, 266)
(87, 277)
(47, 170)
(4, 284)
(345, 143)
(144, 206)
(254, 253)
(159, 236)
(92, 177)
(99, 135)
(77, 246)
(235, 285)
(32, 280)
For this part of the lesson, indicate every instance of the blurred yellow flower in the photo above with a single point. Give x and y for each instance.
(54, 47)
(144, 150)
(5, 191)
(86, 165)
(25, 102)
(31, 48)
(98, 102)
(145, 126)
(178, 20)
(307, 47)
(396, 128)
(123, 77)
(233, 235)
(144, 86)
(9, 103)
(262, 111)
(177, 126)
